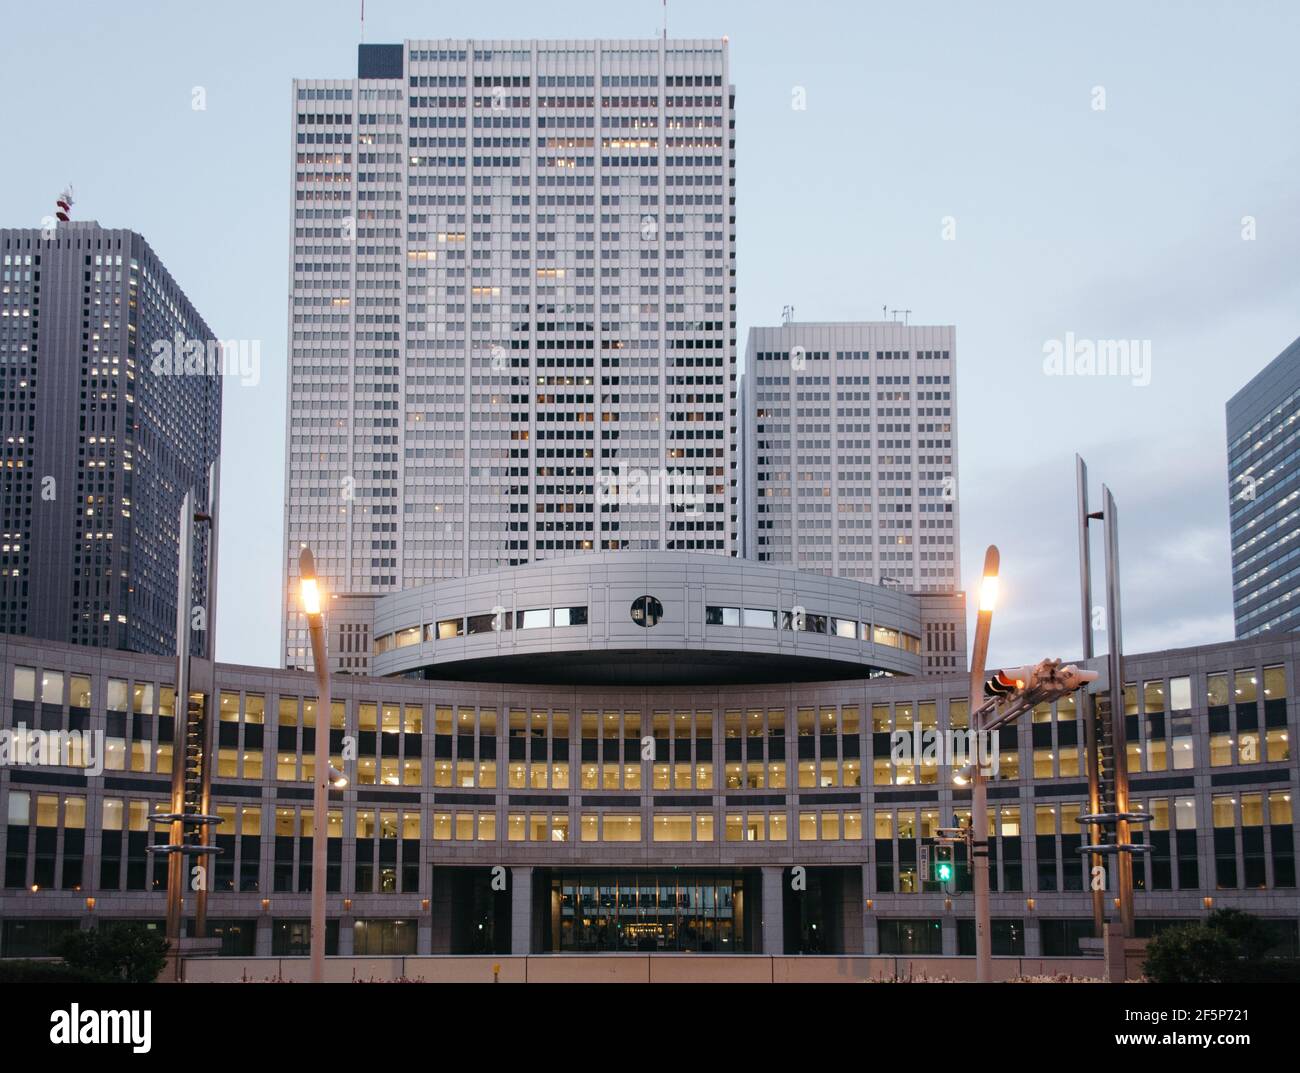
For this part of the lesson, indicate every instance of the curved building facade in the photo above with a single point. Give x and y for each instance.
(668, 618)
(507, 817)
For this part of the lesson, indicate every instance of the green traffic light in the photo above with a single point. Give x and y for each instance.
(943, 872)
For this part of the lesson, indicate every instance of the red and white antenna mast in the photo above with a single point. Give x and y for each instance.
(63, 205)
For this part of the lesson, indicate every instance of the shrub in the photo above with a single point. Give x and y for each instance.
(1265, 971)
(1230, 947)
(1190, 954)
(126, 952)
(1252, 936)
(45, 972)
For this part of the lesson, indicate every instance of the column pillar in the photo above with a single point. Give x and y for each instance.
(870, 933)
(851, 903)
(521, 911)
(773, 908)
(263, 937)
(1033, 937)
(949, 934)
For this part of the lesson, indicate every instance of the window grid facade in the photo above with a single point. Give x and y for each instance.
(451, 779)
(850, 452)
(513, 299)
(112, 388)
(1264, 498)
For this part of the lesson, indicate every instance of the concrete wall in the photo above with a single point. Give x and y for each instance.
(632, 968)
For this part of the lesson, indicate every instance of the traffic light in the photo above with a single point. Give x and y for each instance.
(1046, 680)
(943, 871)
(1003, 684)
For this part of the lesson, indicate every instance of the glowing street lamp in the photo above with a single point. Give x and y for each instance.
(989, 590)
(979, 796)
(309, 591)
(325, 774)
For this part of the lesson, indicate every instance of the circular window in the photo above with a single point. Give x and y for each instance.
(647, 611)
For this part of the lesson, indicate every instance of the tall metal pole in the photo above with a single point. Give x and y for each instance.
(1123, 859)
(320, 799)
(209, 720)
(214, 498)
(180, 723)
(979, 797)
(1087, 708)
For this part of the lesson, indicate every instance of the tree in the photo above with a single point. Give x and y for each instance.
(1251, 935)
(1190, 954)
(1229, 947)
(128, 952)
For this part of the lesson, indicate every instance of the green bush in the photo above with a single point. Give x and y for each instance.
(1190, 954)
(1251, 934)
(1265, 971)
(127, 952)
(1229, 947)
(45, 972)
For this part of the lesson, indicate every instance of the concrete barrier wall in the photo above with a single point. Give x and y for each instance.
(631, 969)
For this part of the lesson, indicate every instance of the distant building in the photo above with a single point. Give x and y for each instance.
(850, 452)
(1264, 498)
(98, 449)
(513, 290)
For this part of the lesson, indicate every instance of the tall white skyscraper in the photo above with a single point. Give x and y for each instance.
(512, 300)
(850, 452)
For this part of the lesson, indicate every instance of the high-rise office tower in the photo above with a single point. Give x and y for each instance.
(512, 310)
(1264, 498)
(850, 452)
(100, 440)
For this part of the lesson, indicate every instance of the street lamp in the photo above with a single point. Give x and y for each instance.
(989, 586)
(979, 850)
(310, 599)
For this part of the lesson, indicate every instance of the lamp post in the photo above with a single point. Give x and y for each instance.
(309, 592)
(1087, 704)
(979, 851)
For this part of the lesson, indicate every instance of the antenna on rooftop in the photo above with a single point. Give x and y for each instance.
(63, 205)
(363, 21)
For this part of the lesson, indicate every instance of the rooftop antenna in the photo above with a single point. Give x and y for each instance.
(787, 314)
(906, 313)
(665, 20)
(363, 21)
(884, 312)
(63, 205)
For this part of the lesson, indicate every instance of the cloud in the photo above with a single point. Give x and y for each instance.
(1174, 555)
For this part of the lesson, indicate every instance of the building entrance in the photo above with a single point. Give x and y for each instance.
(650, 911)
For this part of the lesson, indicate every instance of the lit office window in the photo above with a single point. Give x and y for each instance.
(620, 827)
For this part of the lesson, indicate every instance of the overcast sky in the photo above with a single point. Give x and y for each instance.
(922, 122)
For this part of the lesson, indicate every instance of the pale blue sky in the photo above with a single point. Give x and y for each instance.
(1123, 223)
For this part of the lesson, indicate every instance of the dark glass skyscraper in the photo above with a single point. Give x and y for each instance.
(1264, 498)
(100, 437)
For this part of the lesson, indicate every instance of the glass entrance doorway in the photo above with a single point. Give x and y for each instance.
(648, 912)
